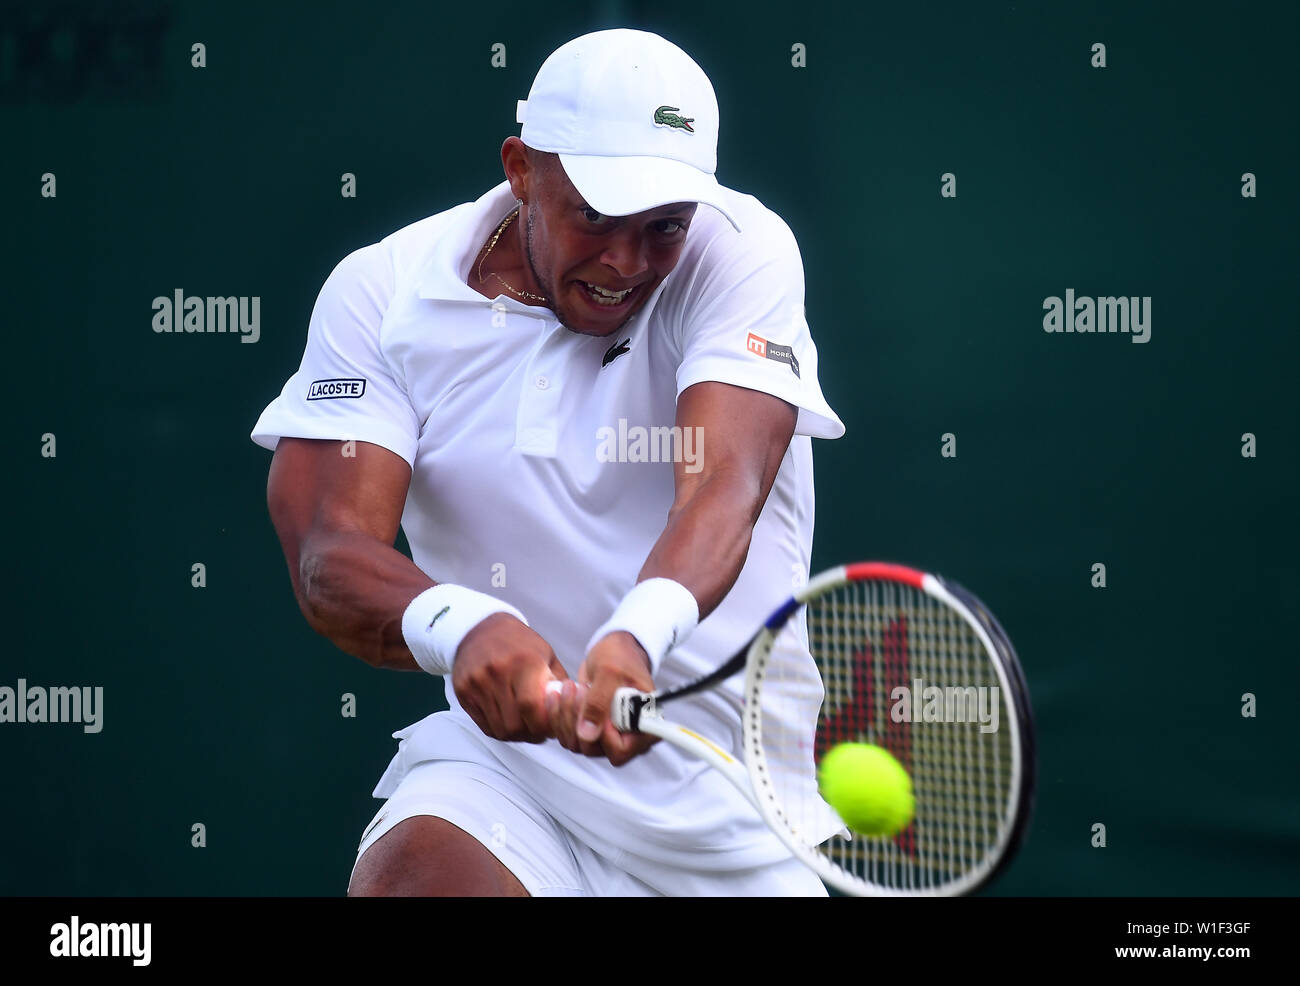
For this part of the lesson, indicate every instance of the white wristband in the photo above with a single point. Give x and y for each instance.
(659, 613)
(437, 620)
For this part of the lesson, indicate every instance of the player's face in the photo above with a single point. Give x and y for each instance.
(599, 270)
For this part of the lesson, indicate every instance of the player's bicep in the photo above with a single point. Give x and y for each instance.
(318, 489)
(732, 434)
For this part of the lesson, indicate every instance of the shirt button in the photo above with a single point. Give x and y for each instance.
(542, 383)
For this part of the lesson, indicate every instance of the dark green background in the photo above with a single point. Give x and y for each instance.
(222, 707)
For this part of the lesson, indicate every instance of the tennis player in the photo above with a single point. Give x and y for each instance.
(587, 398)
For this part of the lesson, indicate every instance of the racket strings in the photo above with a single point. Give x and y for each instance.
(906, 672)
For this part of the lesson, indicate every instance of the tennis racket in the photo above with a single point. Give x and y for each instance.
(908, 661)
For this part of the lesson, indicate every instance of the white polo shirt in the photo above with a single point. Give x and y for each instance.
(536, 478)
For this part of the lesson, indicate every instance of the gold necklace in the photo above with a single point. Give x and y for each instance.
(496, 236)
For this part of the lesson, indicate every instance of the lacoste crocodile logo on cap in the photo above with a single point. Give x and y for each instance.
(666, 116)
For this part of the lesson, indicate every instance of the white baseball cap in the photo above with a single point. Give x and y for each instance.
(633, 119)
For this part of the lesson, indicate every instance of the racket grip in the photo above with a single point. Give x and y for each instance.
(625, 710)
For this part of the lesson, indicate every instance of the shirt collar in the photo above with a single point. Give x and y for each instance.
(458, 244)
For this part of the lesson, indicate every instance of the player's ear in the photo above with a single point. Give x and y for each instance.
(520, 164)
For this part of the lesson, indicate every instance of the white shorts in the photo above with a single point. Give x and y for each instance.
(549, 860)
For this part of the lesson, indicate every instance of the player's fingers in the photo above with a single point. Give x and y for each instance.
(552, 692)
(577, 696)
(490, 719)
(500, 706)
(621, 747)
(567, 699)
(513, 728)
(554, 688)
(594, 715)
(492, 714)
(530, 701)
(472, 710)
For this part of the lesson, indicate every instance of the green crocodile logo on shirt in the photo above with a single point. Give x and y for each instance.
(666, 116)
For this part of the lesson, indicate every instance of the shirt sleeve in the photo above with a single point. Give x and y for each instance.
(749, 328)
(345, 388)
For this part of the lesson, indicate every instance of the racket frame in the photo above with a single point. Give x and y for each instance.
(636, 711)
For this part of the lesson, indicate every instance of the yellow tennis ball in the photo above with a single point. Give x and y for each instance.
(867, 787)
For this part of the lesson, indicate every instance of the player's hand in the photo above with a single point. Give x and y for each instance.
(500, 675)
(583, 725)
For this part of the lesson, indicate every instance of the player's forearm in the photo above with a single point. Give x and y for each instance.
(354, 589)
(706, 539)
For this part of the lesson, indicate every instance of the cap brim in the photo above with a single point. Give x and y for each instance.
(620, 186)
